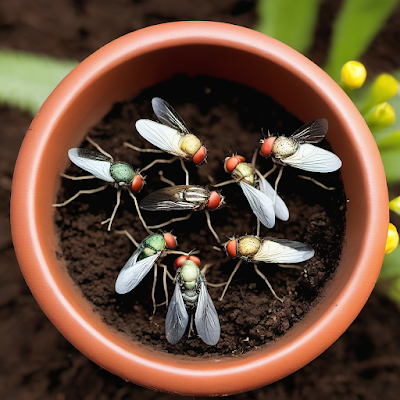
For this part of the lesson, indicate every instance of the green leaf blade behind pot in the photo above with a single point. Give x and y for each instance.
(355, 27)
(26, 80)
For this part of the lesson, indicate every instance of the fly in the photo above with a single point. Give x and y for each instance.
(171, 134)
(254, 249)
(191, 296)
(262, 198)
(298, 151)
(102, 166)
(120, 174)
(142, 260)
(182, 197)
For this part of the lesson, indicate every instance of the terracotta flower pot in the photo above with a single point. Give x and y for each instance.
(140, 60)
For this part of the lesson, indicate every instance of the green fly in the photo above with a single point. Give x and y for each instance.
(142, 260)
(102, 166)
(191, 294)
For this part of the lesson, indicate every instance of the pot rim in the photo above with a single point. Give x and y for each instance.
(113, 351)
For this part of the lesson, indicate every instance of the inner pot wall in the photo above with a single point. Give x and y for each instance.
(137, 61)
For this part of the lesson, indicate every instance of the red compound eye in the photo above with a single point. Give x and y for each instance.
(214, 201)
(137, 184)
(232, 162)
(182, 259)
(230, 248)
(200, 156)
(267, 146)
(170, 240)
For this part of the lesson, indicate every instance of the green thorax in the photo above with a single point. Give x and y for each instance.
(152, 245)
(122, 173)
(189, 274)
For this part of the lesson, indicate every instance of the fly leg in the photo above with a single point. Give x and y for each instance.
(130, 237)
(154, 162)
(191, 326)
(270, 171)
(164, 179)
(230, 279)
(145, 226)
(308, 178)
(158, 161)
(153, 289)
(204, 271)
(211, 227)
(185, 171)
(78, 178)
(165, 274)
(267, 282)
(131, 146)
(111, 219)
(225, 183)
(93, 143)
(170, 221)
(84, 191)
(278, 179)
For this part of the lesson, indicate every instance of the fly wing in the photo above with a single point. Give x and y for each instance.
(281, 210)
(177, 317)
(275, 250)
(167, 199)
(93, 162)
(260, 203)
(206, 317)
(168, 116)
(312, 132)
(314, 159)
(133, 272)
(161, 136)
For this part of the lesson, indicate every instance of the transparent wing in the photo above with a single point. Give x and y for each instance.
(281, 210)
(168, 116)
(314, 159)
(167, 199)
(260, 203)
(177, 317)
(275, 250)
(161, 136)
(312, 132)
(206, 317)
(93, 162)
(133, 272)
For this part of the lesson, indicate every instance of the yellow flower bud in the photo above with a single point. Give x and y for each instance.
(384, 88)
(394, 205)
(392, 239)
(380, 116)
(353, 75)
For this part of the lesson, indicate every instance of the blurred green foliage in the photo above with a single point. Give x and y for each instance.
(290, 21)
(26, 80)
(354, 28)
(293, 22)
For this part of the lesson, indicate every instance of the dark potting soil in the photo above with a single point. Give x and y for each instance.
(228, 118)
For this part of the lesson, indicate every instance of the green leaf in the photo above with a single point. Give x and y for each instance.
(391, 265)
(388, 140)
(354, 29)
(391, 164)
(26, 80)
(290, 21)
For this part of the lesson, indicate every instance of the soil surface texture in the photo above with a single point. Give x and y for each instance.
(229, 118)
